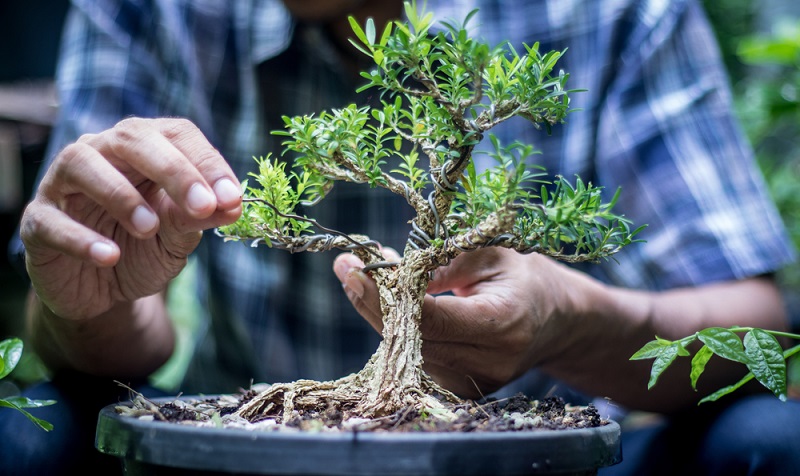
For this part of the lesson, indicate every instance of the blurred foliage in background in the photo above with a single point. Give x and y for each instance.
(760, 43)
(769, 105)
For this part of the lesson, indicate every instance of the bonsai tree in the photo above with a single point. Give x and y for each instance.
(441, 93)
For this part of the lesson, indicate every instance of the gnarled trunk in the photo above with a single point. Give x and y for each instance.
(393, 378)
(393, 375)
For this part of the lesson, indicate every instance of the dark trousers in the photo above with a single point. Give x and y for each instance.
(757, 435)
(753, 435)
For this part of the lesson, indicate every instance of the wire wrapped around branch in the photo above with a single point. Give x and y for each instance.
(319, 242)
(475, 239)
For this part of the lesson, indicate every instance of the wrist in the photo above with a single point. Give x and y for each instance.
(594, 323)
(132, 339)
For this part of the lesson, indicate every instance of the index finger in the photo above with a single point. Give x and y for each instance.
(174, 154)
(187, 138)
(462, 319)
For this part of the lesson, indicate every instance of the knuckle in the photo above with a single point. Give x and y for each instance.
(185, 134)
(70, 157)
(127, 130)
(514, 341)
(87, 139)
(179, 125)
(71, 151)
(31, 224)
(178, 129)
(131, 122)
(121, 195)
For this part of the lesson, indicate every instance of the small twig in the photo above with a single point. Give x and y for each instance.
(150, 405)
(402, 417)
(476, 386)
(483, 397)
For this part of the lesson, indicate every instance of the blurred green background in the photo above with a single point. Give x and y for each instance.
(760, 42)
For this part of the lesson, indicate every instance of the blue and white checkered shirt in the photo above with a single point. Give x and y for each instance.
(655, 120)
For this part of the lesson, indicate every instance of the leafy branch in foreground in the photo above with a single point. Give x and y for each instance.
(10, 353)
(758, 349)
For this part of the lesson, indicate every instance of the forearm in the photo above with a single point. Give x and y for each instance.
(131, 340)
(618, 322)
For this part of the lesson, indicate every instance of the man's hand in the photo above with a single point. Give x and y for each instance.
(504, 313)
(118, 212)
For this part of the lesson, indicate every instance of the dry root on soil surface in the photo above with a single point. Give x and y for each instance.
(518, 413)
(349, 396)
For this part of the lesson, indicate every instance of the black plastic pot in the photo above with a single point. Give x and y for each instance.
(159, 448)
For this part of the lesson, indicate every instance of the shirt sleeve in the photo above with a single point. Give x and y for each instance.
(667, 135)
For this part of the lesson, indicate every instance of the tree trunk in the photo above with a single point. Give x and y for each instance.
(394, 374)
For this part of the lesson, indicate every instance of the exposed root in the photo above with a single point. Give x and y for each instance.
(349, 396)
(281, 400)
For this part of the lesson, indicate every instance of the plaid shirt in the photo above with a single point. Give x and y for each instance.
(656, 121)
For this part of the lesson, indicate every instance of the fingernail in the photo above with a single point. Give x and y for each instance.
(354, 284)
(226, 191)
(199, 198)
(143, 219)
(101, 252)
(340, 269)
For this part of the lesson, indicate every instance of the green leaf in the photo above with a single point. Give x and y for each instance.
(370, 31)
(358, 31)
(664, 353)
(699, 362)
(652, 349)
(44, 425)
(10, 353)
(411, 12)
(724, 343)
(387, 31)
(25, 402)
(766, 361)
(662, 362)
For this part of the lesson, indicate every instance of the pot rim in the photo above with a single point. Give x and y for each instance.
(356, 453)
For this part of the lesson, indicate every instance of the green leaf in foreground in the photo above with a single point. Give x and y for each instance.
(726, 390)
(19, 403)
(699, 362)
(766, 362)
(724, 342)
(664, 352)
(759, 350)
(10, 353)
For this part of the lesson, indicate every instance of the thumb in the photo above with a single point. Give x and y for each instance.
(359, 288)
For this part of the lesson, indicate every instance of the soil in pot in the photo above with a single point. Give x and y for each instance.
(202, 435)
